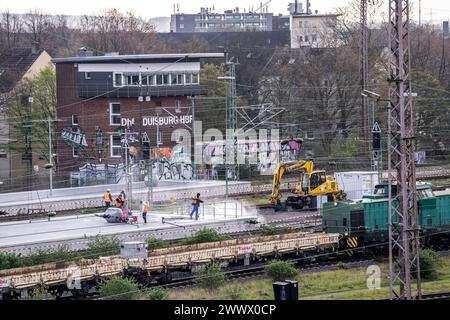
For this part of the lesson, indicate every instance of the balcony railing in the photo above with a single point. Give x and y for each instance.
(105, 91)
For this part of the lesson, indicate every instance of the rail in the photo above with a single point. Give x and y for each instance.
(164, 259)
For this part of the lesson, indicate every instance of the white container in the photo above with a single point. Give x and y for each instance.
(133, 250)
(357, 183)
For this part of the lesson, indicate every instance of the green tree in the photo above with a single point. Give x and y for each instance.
(118, 288)
(215, 98)
(210, 277)
(22, 111)
(432, 116)
(281, 270)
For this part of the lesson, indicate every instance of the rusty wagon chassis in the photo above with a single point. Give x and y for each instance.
(80, 277)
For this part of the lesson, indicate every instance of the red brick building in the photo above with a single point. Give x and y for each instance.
(99, 97)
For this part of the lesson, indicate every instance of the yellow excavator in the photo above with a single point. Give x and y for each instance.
(312, 183)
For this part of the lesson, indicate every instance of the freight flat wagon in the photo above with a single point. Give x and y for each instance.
(81, 276)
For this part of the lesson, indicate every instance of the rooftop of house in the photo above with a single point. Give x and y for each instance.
(115, 58)
(14, 63)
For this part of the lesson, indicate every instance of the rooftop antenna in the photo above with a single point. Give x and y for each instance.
(178, 8)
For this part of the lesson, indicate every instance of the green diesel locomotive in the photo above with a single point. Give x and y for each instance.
(363, 224)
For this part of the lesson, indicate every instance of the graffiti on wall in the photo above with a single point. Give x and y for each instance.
(74, 137)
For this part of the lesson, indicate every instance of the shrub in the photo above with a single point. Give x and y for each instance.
(9, 261)
(118, 288)
(270, 231)
(156, 294)
(281, 270)
(153, 244)
(102, 246)
(210, 277)
(235, 292)
(204, 235)
(39, 294)
(61, 254)
(429, 263)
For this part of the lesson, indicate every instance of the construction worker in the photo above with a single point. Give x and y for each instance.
(122, 198)
(107, 198)
(195, 205)
(144, 211)
(118, 203)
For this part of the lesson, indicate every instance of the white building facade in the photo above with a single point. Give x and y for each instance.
(311, 30)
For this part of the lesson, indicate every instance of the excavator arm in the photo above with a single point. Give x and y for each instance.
(281, 169)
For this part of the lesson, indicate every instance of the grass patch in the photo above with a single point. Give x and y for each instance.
(340, 284)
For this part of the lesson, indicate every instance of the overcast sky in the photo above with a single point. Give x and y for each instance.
(438, 10)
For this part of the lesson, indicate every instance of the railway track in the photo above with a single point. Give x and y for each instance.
(247, 273)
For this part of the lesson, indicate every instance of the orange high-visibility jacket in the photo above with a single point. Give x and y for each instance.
(145, 208)
(107, 197)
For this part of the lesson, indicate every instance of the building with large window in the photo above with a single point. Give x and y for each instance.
(311, 30)
(100, 98)
(231, 20)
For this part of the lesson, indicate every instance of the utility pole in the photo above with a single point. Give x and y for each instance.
(404, 264)
(364, 72)
(194, 165)
(50, 165)
(128, 175)
(150, 182)
(49, 119)
(231, 121)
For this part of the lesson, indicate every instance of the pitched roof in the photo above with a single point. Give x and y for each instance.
(14, 63)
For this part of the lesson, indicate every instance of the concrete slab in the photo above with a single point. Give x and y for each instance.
(28, 237)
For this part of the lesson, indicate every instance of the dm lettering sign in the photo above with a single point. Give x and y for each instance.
(74, 136)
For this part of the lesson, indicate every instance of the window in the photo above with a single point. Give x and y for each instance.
(118, 79)
(162, 79)
(159, 137)
(300, 38)
(306, 38)
(114, 114)
(177, 106)
(300, 24)
(74, 119)
(116, 145)
(75, 152)
(195, 78)
(147, 80)
(182, 18)
(181, 26)
(188, 79)
(314, 38)
(173, 79)
(87, 75)
(180, 78)
(132, 80)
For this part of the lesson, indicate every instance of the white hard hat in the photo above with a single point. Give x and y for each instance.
(108, 189)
